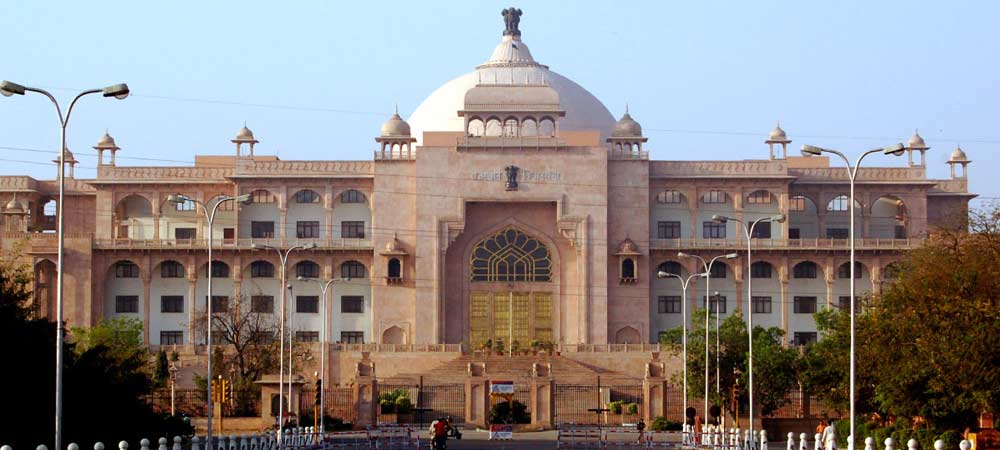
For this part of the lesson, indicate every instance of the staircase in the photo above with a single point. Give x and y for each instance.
(564, 370)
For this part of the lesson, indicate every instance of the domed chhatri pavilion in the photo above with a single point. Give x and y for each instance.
(510, 205)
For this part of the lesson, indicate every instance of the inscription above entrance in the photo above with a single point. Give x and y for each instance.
(511, 175)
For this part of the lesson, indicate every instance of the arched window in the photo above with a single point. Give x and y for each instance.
(714, 196)
(510, 128)
(394, 269)
(673, 267)
(760, 197)
(126, 269)
(476, 127)
(50, 208)
(511, 255)
(844, 271)
(628, 269)
(546, 127)
(228, 205)
(797, 203)
(669, 197)
(805, 269)
(171, 269)
(219, 270)
(760, 269)
(352, 196)
(838, 203)
(529, 127)
(261, 269)
(494, 127)
(306, 196)
(186, 205)
(718, 270)
(262, 196)
(352, 269)
(307, 269)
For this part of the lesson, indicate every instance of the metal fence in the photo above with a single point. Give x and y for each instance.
(427, 402)
(578, 403)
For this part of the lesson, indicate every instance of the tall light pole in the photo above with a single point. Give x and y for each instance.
(209, 212)
(119, 91)
(708, 293)
(748, 234)
(684, 336)
(324, 286)
(852, 174)
(283, 257)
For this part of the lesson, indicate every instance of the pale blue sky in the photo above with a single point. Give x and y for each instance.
(707, 80)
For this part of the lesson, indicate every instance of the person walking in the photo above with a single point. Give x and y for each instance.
(640, 427)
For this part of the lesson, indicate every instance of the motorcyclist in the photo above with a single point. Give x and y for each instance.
(439, 430)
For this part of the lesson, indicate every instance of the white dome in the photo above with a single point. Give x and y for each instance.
(509, 65)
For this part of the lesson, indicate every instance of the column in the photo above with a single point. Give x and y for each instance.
(282, 226)
(783, 280)
(783, 209)
(328, 206)
(192, 280)
(738, 277)
(738, 212)
(821, 221)
(156, 226)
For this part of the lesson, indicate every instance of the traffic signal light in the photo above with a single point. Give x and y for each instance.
(224, 391)
(319, 391)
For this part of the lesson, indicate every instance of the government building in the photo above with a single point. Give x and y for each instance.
(510, 205)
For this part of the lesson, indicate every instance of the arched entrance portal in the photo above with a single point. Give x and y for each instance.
(511, 289)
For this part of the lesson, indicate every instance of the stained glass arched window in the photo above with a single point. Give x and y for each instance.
(511, 255)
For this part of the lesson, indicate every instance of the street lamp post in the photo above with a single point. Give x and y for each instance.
(173, 383)
(684, 339)
(119, 91)
(708, 294)
(177, 199)
(748, 234)
(324, 286)
(283, 257)
(852, 174)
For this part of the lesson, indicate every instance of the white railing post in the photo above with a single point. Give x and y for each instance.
(819, 441)
(938, 445)
(763, 439)
(144, 444)
(123, 445)
(177, 443)
(964, 445)
(803, 441)
(194, 443)
(163, 443)
(889, 444)
(912, 444)
(790, 441)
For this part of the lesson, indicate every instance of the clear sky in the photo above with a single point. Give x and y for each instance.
(314, 80)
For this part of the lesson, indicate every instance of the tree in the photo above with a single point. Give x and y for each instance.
(931, 341)
(774, 365)
(122, 336)
(161, 372)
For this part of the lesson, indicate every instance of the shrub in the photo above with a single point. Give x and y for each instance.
(662, 424)
(500, 413)
(403, 405)
(615, 407)
(632, 408)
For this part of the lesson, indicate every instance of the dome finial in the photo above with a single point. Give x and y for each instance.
(626, 107)
(395, 108)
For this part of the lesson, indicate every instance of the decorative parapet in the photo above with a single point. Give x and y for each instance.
(495, 142)
(18, 183)
(839, 174)
(303, 169)
(153, 174)
(784, 244)
(951, 186)
(718, 169)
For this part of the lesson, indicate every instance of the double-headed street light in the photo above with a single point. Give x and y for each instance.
(708, 295)
(283, 257)
(684, 338)
(852, 174)
(324, 285)
(748, 234)
(119, 91)
(209, 212)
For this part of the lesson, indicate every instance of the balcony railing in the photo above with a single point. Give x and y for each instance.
(785, 244)
(398, 348)
(241, 243)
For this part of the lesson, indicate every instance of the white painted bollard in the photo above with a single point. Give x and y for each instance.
(803, 441)
(737, 437)
(123, 445)
(162, 443)
(6, 447)
(72, 446)
(869, 443)
(684, 434)
(243, 442)
(233, 442)
(144, 444)
(938, 445)
(763, 439)
(964, 445)
(819, 441)
(850, 442)
(194, 443)
(912, 444)
(790, 441)
(177, 443)
(99, 446)
(889, 444)
(41, 447)
(718, 438)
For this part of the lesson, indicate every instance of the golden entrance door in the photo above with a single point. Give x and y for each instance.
(490, 317)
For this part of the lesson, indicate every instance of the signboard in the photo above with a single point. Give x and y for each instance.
(501, 431)
(501, 387)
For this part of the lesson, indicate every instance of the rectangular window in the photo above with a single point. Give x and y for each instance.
(712, 230)
(670, 229)
(263, 337)
(714, 197)
(261, 196)
(804, 338)
(171, 338)
(262, 304)
(171, 269)
(352, 304)
(793, 233)
(718, 271)
(126, 303)
(797, 204)
(261, 269)
(308, 229)
(843, 302)
(307, 304)
(219, 270)
(668, 304)
(844, 271)
(307, 336)
(805, 305)
(352, 337)
(668, 197)
(220, 304)
(838, 233)
(761, 305)
(126, 270)
(172, 304)
(306, 269)
(759, 198)
(717, 304)
(352, 229)
(762, 230)
(352, 196)
(760, 270)
(184, 233)
(261, 230)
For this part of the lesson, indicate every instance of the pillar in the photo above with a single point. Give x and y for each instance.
(654, 389)
(542, 402)
(147, 280)
(282, 227)
(156, 226)
(477, 396)
(363, 395)
(192, 279)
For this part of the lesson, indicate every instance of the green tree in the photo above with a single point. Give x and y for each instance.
(161, 371)
(121, 335)
(774, 365)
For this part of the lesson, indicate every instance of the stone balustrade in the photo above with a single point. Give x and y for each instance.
(785, 244)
